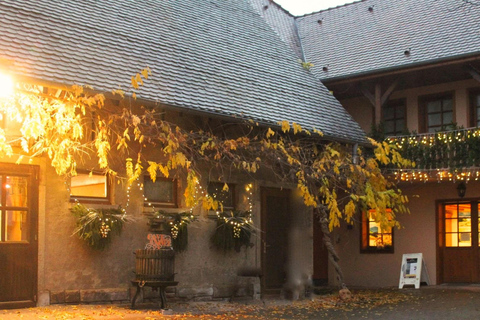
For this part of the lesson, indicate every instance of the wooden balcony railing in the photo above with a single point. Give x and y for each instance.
(452, 155)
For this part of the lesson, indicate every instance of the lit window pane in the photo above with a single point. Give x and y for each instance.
(450, 211)
(16, 191)
(451, 225)
(16, 226)
(451, 239)
(465, 240)
(464, 225)
(89, 185)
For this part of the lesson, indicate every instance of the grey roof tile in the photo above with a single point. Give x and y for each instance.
(351, 40)
(216, 56)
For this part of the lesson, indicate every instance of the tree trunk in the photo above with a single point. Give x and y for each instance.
(322, 213)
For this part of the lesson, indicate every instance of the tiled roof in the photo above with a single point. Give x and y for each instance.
(214, 56)
(372, 35)
(281, 21)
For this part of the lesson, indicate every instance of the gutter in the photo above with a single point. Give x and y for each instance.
(428, 64)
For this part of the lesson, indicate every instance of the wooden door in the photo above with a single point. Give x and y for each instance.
(275, 222)
(459, 242)
(18, 235)
(320, 256)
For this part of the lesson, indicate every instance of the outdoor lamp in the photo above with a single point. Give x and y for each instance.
(461, 189)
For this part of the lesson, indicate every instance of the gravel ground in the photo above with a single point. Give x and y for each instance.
(435, 302)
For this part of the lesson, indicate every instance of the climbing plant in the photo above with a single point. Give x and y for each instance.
(336, 180)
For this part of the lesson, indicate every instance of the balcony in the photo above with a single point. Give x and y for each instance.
(442, 156)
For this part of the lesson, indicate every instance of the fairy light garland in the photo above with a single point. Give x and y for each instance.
(440, 175)
(454, 152)
(238, 222)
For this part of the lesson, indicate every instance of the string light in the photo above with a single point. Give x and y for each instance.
(443, 147)
(440, 175)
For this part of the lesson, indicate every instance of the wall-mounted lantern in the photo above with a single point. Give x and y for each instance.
(462, 189)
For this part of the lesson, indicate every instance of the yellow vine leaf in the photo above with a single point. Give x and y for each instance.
(285, 125)
(129, 167)
(270, 133)
(164, 170)
(296, 128)
(152, 170)
(134, 83)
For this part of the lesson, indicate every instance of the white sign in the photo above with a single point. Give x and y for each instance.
(413, 270)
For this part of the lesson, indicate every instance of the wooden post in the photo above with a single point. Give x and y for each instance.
(378, 103)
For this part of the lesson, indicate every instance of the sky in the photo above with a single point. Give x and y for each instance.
(300, 7)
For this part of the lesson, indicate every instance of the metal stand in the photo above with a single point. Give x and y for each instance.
(160, 285)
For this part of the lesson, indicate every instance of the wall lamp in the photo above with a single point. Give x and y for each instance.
(462, 189)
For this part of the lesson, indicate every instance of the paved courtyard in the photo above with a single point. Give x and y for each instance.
(438, 302)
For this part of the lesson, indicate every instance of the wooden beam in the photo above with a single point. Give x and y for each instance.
(378, 103)
(389, 91)
(368, 95)
(475, 75)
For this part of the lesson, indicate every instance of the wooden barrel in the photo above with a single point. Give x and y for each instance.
(155, 265)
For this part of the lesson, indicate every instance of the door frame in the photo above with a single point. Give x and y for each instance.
(31, 171)
(440, 240)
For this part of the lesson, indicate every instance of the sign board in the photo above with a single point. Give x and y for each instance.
(158, 241)
(413, 270)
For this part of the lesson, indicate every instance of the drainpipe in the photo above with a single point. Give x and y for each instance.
(354, 154)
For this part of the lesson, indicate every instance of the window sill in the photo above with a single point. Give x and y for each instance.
(375, 250)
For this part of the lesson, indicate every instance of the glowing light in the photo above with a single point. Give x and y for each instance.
(6, 86)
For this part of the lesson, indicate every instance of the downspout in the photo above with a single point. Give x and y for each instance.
(355, 154)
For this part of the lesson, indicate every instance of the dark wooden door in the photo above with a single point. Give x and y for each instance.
(320, 256)
(459, 242)
(275, 222)
(18, 235)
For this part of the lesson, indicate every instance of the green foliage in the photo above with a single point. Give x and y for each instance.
(97, 226)
(450, 149)
(176, 224)
(234, 229)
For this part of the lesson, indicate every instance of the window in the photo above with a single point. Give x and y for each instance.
(90, 186)
(15, 215)
(438, 113)
(374, 238)
(458, 225)
(162, 192)
(394, 117)
(226, 197)
(475, 109)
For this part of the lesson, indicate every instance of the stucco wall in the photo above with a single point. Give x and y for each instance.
(417, 235)
(74, 272)
(362, 110)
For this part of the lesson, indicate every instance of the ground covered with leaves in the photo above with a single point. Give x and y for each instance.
(324, 306)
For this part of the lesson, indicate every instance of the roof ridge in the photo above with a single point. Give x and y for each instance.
(282, 8)
(329, 9)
